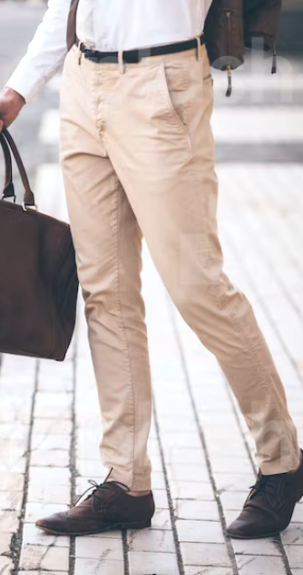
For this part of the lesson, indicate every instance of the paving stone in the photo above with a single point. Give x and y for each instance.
(35, 557)
(200, 531)
(14, 430)
(51, 458)
(156, 462)
(53, 405)
(48, 494)
(49, 476)
(44, 441)
(180, 472)
(293, 535)
(92, 468)
(6, 566)
(205, 554)
(144, 563)
(177, 424)
(52, 384)
(161, 500)
(17, 409)
(11, 500)
(9, 521)
(298, 514)
(89, 450)
(192, 490)
(233, 499)
(230, 515)
(103, 549)
(151, 540)
(183, 455)
(161, 519)
(43, 572)
(12, 448)
(234, 482)
(11, 481)
(185, 439)
(200, 510)
(220, 448)
(153, 447)
(231, 465)
(255, 547)
(98, 567)
(34, 536)
(13, 465)
(158, 480)
(295, 556)
(253, 565)
(193, 570)
(35, 511)
(47, 426)
(5, 539)
(115, 534)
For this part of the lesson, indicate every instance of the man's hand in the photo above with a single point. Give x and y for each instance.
(11, 103)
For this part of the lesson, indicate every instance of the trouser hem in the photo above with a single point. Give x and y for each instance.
(136, 483)
(278, 466)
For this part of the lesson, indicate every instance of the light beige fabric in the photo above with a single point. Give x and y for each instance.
(137, 154)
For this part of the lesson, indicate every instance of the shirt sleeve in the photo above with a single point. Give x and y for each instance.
(46, 53)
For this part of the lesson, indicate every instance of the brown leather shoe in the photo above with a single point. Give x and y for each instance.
(108, 507)
(269, 506)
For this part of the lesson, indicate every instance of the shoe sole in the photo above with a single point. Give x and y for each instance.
(115, 527)
(273, 534)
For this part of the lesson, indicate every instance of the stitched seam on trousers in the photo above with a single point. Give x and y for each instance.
(120, 307)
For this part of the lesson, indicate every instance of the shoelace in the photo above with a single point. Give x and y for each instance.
(101, 488)
(265, 483)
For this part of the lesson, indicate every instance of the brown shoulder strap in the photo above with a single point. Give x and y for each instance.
(71, 25)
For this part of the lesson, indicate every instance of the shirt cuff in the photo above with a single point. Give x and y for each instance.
(28, 80)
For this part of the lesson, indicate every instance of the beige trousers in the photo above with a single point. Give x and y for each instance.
(137, 155)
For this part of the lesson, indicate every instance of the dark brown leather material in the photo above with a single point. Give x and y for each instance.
(233, 24)
(38, 277)
(8, 189)
(269, 506)
(224, 36)
(108, 507)
(71, 24)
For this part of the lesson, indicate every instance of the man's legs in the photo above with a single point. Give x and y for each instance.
(108, 246)
(159, 139)
(152, 120)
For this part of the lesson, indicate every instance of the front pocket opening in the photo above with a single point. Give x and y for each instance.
(170, 103)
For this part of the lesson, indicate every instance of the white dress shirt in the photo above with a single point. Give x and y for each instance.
(105, 25)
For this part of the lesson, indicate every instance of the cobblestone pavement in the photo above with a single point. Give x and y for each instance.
(202, 455)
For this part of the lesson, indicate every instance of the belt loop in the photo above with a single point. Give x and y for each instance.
(80, 53)
(199, 48)
(120, 61)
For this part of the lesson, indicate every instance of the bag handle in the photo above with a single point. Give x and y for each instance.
(28, 198)
(9, 190)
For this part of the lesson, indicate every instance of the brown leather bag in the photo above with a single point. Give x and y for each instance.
(38, 278)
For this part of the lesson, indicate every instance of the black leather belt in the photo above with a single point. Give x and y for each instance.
(135, 56)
